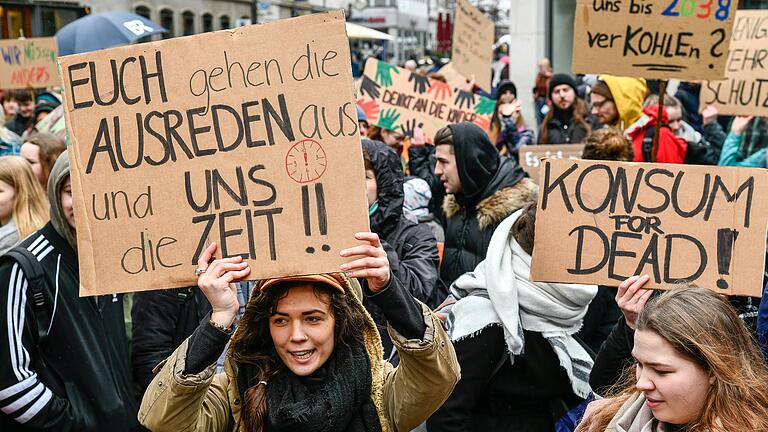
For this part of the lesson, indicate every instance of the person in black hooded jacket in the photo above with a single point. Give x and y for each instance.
(482, 189)
(65, 362)
(411, 248)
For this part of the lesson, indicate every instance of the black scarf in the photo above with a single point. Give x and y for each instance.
(337, 397)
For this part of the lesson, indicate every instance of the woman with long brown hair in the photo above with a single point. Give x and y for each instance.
(306, 355)
(568, 121)
(697, 369)
(508, 130)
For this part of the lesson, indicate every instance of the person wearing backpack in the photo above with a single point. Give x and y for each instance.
(65, 364)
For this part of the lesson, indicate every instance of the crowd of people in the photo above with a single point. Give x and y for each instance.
(433, 324)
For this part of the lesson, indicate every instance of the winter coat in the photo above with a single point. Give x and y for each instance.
(411, 247)
(496, 395)
(671, 148)
(614, 356)
(78, 377)
(563, 129)
(404, 396)
(600, 318)
(421, 163)
(18, 124)
(9, 236)
(628, 95)
(162, 320)
(493, 187)
(731, 154)
(508, 137)
(688, 95)
(703, 149)
(762, 324)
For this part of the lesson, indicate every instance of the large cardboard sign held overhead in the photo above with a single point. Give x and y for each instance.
(745, 89)
(602, 222)
(28, 63)
(394, 98)
(530, 156)
(254, 146)
(657, 39)
(473, 36)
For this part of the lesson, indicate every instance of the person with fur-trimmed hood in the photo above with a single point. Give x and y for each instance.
(482, 189)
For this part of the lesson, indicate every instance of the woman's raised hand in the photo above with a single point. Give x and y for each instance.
(373, 264)
(631, 298)
(216, 281)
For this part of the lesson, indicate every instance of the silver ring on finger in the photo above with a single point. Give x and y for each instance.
(199, 271)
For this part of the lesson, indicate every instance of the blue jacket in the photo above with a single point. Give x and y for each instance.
(762, 324)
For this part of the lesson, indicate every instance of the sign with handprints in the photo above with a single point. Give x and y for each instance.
(397, 99)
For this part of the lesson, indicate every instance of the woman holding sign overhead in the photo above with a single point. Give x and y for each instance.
(305, 356)
(696, 369)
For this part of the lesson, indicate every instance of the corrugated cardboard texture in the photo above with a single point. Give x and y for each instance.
(248, 137)
(601, 222)
(745, 90)
(530, 156)
(473, 37)
(28, 63)
(655, 39)
(394, 98)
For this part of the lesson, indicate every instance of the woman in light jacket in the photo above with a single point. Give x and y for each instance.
(306, 355)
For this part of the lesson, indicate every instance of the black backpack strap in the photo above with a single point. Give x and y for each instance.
(35, 276)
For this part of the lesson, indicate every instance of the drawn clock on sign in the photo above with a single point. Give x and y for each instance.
(306, 161)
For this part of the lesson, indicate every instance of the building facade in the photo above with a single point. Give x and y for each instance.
(31, 18)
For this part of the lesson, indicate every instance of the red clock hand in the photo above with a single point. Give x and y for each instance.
(305, 159)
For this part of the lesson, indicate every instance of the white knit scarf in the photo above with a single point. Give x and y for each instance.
(499, 291)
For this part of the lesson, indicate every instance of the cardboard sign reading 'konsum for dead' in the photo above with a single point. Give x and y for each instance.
(663, 39)
(745, 89)
(530, 156)
(394, 98)
(251, 142)
(473, 36)
(28, 63)
(602, 222)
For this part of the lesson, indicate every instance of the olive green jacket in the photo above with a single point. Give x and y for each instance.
(404, 396)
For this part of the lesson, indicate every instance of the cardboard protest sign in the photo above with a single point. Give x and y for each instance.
(530, 156)
(473, 37)
(452, 76)
(394, 98)
(253, 145)
(658, 39)
(745, 89)
(28, 63)
(601, 222)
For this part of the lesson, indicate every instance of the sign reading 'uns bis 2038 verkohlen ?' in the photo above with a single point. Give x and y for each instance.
(655, 39)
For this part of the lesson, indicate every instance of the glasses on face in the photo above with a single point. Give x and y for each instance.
(599, 104)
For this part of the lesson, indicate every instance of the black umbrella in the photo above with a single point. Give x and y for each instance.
(104, 30)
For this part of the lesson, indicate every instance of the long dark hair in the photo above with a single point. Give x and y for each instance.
(252, 343)
(580, 111)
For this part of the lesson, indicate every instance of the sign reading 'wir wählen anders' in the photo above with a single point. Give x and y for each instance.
(661, 39)
(601, 222)
(245, 137)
